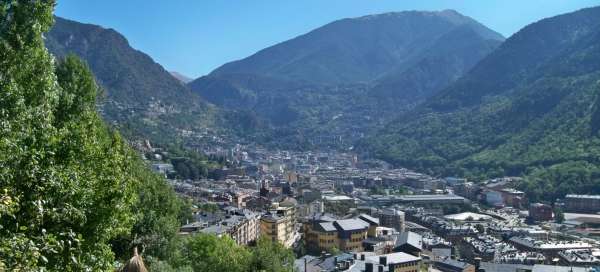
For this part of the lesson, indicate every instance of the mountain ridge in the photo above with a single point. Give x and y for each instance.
(349, 68)
(526, 109)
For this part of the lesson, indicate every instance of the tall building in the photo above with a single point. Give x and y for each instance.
(392, 218)
(279, 224)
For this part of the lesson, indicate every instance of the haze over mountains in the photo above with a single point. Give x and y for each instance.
(349, 76)
(530, 107)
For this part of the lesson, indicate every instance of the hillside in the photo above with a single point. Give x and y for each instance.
(131, 79)
(352, 75)
(140, 96)
(530, 107)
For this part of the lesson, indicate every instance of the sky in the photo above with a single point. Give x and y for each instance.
(194, 37)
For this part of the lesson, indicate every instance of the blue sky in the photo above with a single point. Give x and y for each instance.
(196, 36)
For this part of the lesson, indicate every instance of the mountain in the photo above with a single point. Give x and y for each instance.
(355, 50)
(529, 108)
(353, 74)
(131, 79)
(184, 79)
(140, 96)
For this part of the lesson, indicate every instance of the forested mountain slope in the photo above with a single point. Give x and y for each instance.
(348, 77)
(531, 107)
(139, 96)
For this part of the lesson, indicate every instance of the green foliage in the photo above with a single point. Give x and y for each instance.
(206, 253)
(64, 176)
(210, 253)
(529, 108)
(480, 228)
(208, 207)
(72, 192)
(377, 190)
(334, 251)
(317, 91)
(271, 256)
(559, 216)
(339, 208)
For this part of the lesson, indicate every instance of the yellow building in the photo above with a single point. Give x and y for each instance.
(279, 224)
(345, 235)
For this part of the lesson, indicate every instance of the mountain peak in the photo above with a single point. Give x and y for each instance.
(355, 50)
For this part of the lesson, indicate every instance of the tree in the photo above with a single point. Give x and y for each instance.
(559, 216)
(480, 228)
(209, 253)
(62, 171)
(72, 192)
(272, 256)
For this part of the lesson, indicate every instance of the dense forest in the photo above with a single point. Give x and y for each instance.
(74, 196)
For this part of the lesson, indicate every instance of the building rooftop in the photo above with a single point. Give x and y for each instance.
(454, 263)
(410, 238)
(549, 245)
(583, 196)
(351, 224)
(369, 219)
(337, 198)
(429, 197)
(468, 216)
(392, 212)
(394, 258)
(327, 226)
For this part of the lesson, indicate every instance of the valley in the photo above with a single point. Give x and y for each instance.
(402, 140)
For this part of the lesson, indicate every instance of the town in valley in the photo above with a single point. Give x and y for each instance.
(339, 212)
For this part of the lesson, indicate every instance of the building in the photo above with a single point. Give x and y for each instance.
(549, 248)
(373, 224)
(467, 189)
(346, 235)
(453, 181)
(450, 265)
(342, 199)
(513, 198)
(494, 198)
(580, 257)
(359, 262)
(467, 217)
(432, 199)
(505, 197)
(393, 262)
(409, 242)
(582, 203)
(279, 224)
(241, 225)
(392, 218)
(540, 212)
